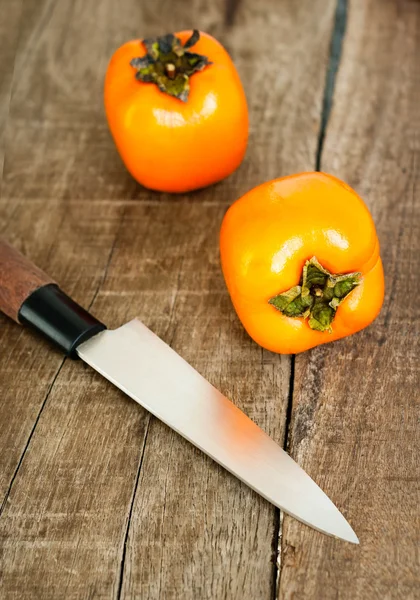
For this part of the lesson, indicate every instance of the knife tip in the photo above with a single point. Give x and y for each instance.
(346, 532)
(351, 537)
(354, 539)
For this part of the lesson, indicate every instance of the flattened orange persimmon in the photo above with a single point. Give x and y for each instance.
(176, 110)
(300, 257)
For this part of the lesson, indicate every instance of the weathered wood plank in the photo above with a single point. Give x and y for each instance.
(64, 51)
(59, 145)
(355, 419)
(194, 529)
(61, 527)
(191, 520)
(187, 509)
(60, 242)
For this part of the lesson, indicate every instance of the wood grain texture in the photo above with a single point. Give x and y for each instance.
(75, 253)
(355, 405)
(19, 278)
(9, 35)
(100, 501)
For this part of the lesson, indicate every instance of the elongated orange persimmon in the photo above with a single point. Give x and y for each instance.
(176, 110)
(300, 256)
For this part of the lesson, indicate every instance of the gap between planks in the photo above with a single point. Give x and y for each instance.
(130, 513)
(47, 395)
(28, 442)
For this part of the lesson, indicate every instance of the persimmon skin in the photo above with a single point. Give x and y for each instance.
(269, 233)
(172, 146)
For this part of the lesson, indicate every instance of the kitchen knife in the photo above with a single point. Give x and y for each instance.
(151, 373)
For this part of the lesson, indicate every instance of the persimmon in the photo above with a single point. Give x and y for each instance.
(177, 111)
(300, 257)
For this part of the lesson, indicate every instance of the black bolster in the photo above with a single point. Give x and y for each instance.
(59, 319)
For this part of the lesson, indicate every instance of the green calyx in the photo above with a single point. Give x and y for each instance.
(317, 297)
(169, 65)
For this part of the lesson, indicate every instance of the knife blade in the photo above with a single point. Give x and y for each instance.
(140, 364)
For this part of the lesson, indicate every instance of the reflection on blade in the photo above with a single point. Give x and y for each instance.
(150, 372)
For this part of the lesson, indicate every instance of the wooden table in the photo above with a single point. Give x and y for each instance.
(98, 499)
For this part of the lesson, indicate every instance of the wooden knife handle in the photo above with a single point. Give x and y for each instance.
(19, 278)
(30, 297)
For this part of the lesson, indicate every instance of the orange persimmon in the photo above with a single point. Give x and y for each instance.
(176, 110)
(300, 257)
